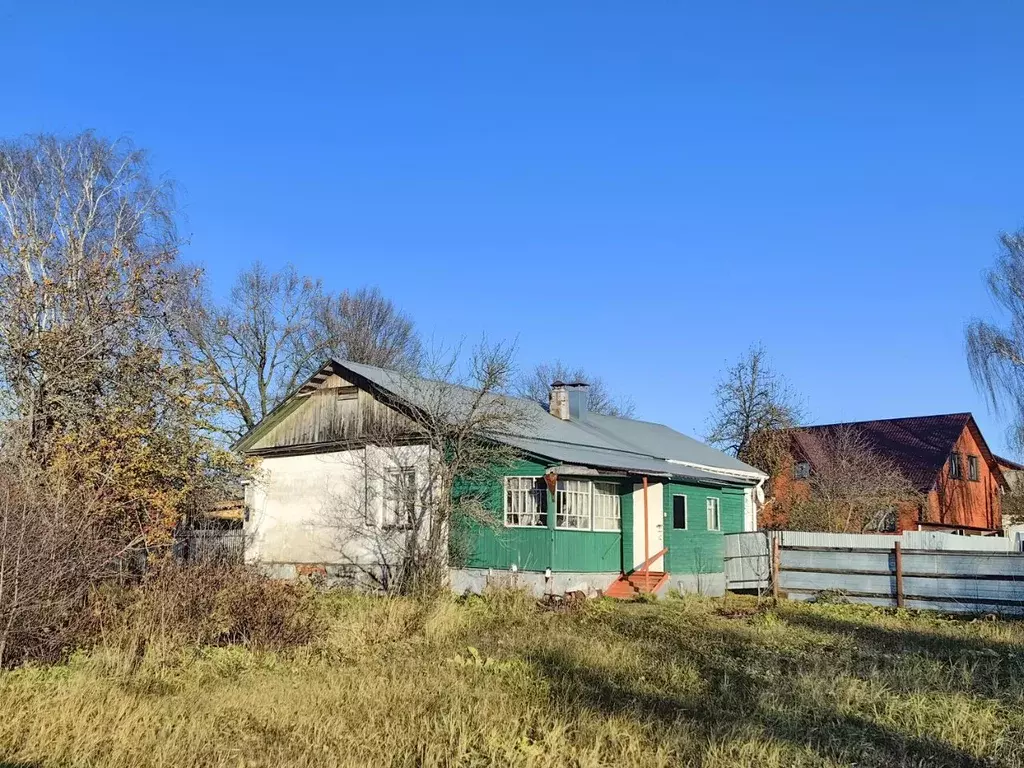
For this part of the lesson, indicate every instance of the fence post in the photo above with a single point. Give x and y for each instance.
(898, 557)
(775, 566)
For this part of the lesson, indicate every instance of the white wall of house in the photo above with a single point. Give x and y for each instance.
(325, 508)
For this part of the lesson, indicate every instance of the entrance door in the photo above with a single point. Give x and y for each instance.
(655, 525)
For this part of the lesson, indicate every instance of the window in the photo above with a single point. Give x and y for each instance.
(714, 514)
(955, 470)
(607, 510)
(973, 468)
(399, 497)
(572, 504)
(526, 502)
(679, 513)
(801, 470)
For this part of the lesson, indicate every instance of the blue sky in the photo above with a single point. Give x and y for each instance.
(644, 189)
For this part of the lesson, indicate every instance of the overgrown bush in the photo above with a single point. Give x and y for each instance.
(206, 604)
(53, 550)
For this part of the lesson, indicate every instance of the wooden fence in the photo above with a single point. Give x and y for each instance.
(981, 577)
(208, 545)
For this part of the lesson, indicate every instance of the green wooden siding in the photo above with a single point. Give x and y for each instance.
(695, 550)
(698, 550)
(535, 549)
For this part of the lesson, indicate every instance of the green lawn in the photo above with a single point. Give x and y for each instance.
(499, 681)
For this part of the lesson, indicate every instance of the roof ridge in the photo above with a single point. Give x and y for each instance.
(966, 414)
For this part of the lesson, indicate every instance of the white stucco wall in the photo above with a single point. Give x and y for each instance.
(325, 507)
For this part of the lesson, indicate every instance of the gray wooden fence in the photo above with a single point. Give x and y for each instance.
(916, 570)
(209, 545)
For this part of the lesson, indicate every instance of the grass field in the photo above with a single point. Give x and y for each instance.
(501, 681)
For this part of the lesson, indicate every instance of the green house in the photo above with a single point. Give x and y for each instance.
(590, 502)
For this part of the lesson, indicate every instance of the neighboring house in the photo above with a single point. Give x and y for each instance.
(592, 499)
(1013, 500)
(944, 457)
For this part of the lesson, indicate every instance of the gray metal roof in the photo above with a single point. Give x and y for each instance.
(601, 441)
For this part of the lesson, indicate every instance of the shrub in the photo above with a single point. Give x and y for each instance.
(52, 550)
(207, 604)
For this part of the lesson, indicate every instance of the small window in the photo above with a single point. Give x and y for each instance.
(956, 472)
(801, 470)
(679, 513)
(526, 502)
(973, 468)
(346, 393)
(714, 514)
(400, 498)
(607, 507)
(572, 503)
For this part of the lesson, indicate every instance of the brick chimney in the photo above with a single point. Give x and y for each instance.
(569, 401)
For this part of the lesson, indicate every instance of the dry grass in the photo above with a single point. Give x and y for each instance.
(500, 682)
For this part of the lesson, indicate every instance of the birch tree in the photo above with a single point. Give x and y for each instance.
(995, 348)
(91, 383)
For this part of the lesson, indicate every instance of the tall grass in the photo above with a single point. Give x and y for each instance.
(501, 681)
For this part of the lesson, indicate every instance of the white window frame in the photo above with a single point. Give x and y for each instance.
(609, 497)
(573, 494)
(539, 493)
(395, 479)
(686, 512)
(717, 512)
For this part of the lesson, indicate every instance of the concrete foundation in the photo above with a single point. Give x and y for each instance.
(477, 580)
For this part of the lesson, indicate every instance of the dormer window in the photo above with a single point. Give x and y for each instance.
(801, 470)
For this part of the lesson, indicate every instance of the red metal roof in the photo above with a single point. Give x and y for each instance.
(919, 445)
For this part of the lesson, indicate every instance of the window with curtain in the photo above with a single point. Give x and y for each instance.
(607, 507)
(573, 505)
(526, 502)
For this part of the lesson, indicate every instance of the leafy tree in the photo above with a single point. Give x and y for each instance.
(88, 372)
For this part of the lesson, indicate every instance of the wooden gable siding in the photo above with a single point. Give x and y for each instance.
(335, 412)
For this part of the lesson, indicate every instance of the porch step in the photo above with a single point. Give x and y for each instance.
(630, 585)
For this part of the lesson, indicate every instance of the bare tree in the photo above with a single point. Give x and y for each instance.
(851, 488)
(423, 479)
(536, 383)
(276, 327)
(754, 405)
(365, 327)
(995, 351)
